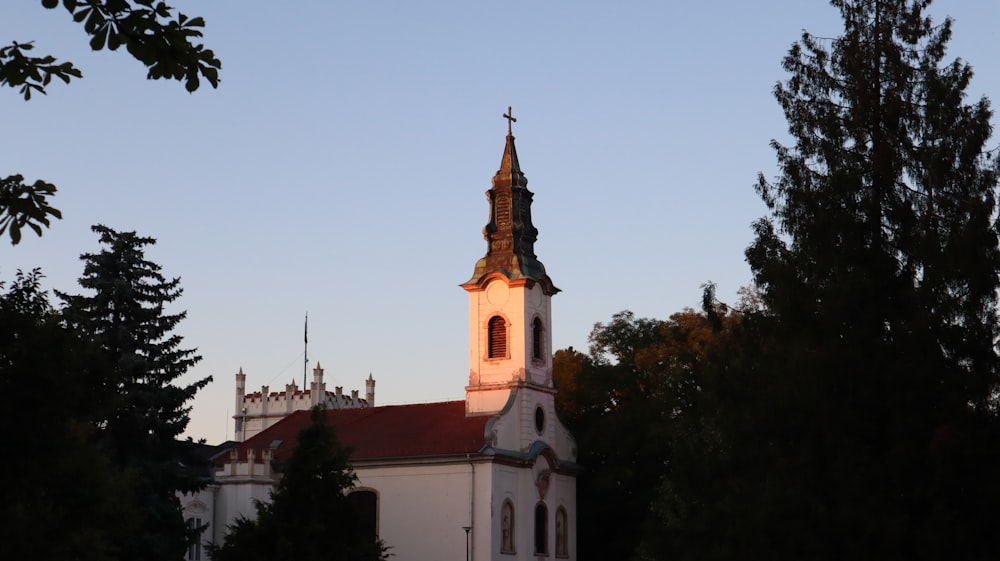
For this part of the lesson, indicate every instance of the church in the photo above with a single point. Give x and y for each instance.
(492, 477)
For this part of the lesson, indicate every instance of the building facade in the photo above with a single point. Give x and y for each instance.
(492, 477)
(257, 411)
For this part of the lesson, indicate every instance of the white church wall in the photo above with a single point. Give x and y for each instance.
(563, 495)
(236, 498)
(553, 432)
(484, 516)
(519, 306)
(497, 299)
(519, 486)
(199, 509)
(505, 427)
(423, 508)
(515, 428)
(536, 305)
(486, 402)
(507, 488)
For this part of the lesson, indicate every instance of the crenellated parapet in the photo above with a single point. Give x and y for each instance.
(259, 410)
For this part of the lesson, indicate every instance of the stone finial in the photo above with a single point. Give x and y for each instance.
(370, 390)
(290, 391)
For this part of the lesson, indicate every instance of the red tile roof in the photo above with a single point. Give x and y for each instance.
(394, 431)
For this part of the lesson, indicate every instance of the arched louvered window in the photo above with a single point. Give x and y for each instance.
(541, 530)
(497, 337)
(536, 339)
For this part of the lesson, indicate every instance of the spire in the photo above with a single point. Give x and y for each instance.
(509, 175)
(510, 235)
(510, 168)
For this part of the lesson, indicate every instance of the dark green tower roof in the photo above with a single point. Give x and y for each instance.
(510, 235)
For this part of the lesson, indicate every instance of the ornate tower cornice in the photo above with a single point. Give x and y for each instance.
(510, 235)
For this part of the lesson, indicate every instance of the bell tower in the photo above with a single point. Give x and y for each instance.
(510, 311)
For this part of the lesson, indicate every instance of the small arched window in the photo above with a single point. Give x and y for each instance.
(365, 505)
(541, 530)
(507, 527)
(536, 339)
(497, 337)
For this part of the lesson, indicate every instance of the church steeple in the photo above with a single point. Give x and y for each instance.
(510, 235)
(510, 301)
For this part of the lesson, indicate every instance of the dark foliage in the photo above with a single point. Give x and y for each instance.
(25, 205)
(155, 34)
(61, 496)
(622, 402)
(124, 315)
(31, 73)
(855, 418)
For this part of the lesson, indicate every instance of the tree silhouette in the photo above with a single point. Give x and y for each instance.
(855, 415)
(124, 315)
(309, 516)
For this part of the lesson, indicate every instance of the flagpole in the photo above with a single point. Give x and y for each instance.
(305, 363)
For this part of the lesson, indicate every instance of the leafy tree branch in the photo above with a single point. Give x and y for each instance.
(25, 205)
(154, 33)
(31, 73)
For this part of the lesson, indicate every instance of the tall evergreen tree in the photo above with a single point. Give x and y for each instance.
(125, 315)
(309, 516)
(864, 424)
(888, 196)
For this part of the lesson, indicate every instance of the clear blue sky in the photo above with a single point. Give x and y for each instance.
(340, 168)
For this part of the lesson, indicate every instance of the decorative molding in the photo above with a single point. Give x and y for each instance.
(542, 483)
(196, 506)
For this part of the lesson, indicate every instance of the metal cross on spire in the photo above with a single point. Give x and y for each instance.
(509, 115)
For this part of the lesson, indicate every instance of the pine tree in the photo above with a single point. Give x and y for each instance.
(125, 315)
(855, 416)
(310, 516)
(888, 197)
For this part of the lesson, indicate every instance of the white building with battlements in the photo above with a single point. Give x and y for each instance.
(257, 411)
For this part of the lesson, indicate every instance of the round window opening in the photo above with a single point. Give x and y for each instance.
(539, 419)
